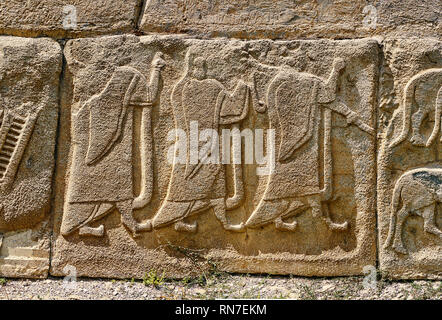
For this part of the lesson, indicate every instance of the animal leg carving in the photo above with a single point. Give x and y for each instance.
(429, 223)
(398, 245)
(417, 138)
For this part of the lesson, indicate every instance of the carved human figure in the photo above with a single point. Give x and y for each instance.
(199, 186)
(294, 102)
(424, 85)
(419, 190)
(100, 176)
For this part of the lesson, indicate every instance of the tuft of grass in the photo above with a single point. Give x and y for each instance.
(152, 279)
(3, 282)
(308, 293)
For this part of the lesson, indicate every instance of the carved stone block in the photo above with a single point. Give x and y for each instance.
(287, 19)
(409, 160)
(67, 18)
(146, 181)
(29, 84)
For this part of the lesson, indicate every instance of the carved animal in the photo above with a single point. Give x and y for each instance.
(417, 91)
(420, 190)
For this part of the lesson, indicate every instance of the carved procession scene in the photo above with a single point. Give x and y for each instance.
(181, 137)
(245, 150)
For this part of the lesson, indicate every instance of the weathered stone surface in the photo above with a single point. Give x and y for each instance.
(67, 18)
(117, 178)
(287, 19)
(29, 84)
(409, 161)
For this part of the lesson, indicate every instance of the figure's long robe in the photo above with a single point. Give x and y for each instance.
(207, 103)
(295, 115)
(102, 133)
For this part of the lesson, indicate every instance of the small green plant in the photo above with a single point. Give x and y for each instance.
(185, 281)
(3, 282)
(152, 279)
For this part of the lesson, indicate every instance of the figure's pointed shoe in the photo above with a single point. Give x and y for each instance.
(90, 231)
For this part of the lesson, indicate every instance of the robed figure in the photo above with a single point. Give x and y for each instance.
(200, 185)
(101, 174)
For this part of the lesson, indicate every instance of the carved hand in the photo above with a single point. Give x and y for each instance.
(339, 64)
(158, 61)
(352, 118)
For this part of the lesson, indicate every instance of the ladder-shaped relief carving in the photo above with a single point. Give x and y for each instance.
(15, 133)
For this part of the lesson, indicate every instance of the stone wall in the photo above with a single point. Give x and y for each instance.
(282, 137)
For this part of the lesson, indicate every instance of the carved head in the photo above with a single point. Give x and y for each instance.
(199, 68)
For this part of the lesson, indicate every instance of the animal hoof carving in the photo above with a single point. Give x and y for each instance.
(418, 141)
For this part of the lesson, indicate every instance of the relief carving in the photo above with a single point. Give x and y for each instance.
(409, 163)
(295, 102)
(102, 134)
(419, 191)
(29, 80)
(15, 132)
(200, 186)
(123, 165)
(417, 90)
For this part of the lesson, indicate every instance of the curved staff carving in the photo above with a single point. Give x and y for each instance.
(145, 195)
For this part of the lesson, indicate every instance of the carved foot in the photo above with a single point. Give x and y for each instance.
(337, 226)
(284, 226)
(235, 227)
(142, 227)
(186, 227)
(90, 231)
(417, 140)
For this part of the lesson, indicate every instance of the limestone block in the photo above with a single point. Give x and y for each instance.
(29, 84)
(67, 18)
(145, 181)
(409, 161)
(287, 19)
